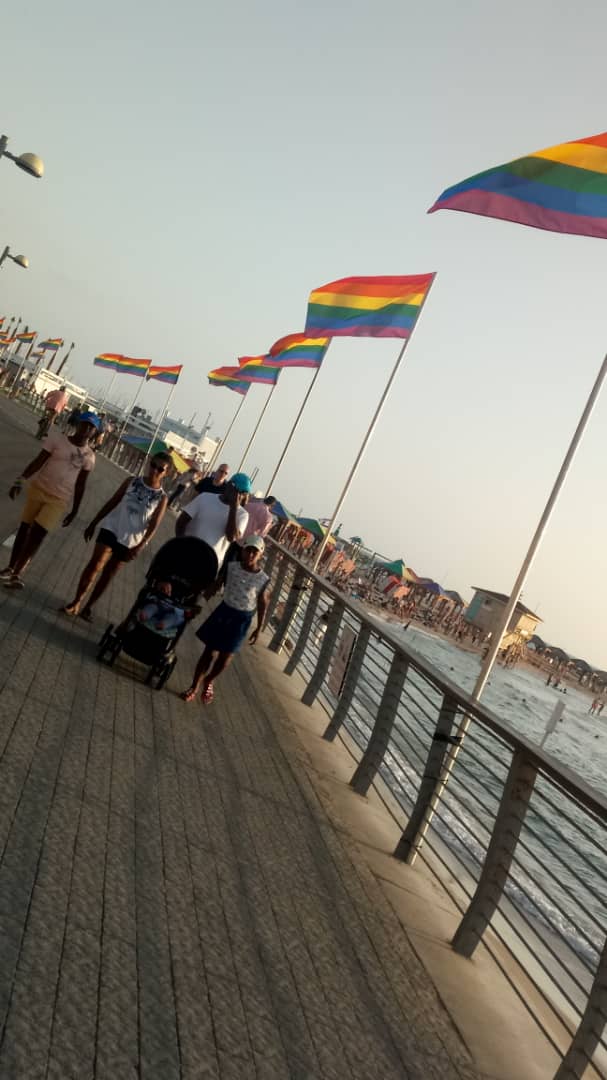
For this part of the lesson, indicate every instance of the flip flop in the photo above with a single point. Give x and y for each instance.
(65, 610)
(189, 695)
(208, 695)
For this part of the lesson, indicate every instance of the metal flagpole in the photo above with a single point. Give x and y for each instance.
(25, 356)
(367, 437)
(64, 361)
(221, 443)
(109, 389)
(130, 409)
(162, 416)
(294, 428)
(498, 633)
(256, 429)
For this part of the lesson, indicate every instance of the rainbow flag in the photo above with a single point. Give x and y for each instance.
(368, 306)
(107, 360)
(252, 370)
(2, 318)
(128, 366)
(228, 377)
(28, 337)
(164, 374)
(5, 339)
(298, 350)
(562, 189)
(53, 344)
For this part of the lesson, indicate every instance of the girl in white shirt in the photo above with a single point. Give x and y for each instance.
(226, 629)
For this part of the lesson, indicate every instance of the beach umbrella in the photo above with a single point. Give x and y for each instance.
(281, 512)
(397, 567)
(157, 447)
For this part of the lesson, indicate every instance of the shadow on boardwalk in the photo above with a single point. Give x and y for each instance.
(174, 900)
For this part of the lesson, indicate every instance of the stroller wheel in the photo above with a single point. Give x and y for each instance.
(166, 673)
(105, 641)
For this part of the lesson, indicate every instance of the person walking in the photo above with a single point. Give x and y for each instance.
(215, 483)
(217, 520)
(127, 523)
(227, 628)
(182, 485)
(59, 475)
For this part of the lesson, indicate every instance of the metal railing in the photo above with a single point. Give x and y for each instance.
(516, 839)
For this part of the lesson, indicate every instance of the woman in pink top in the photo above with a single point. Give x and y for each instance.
(59, 473)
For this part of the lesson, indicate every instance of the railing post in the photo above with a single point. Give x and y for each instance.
(326, 652)
(276, 591)
(424, 804)
(382, 728)
(504, 838)
(270, 561)
(292, 603)
(350, 683)
(588, 1034)
(306, 626)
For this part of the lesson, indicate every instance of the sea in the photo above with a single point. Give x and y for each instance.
(521, 696)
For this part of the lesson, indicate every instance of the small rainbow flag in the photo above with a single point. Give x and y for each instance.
(128, 366)
(228, 377)
(164, 374)
(107, 360)
(298, 350)
(2, 318)
(53, 344)
(561, 189)
(5, 339)
(27, 338)
(254, 371)
(368, 306)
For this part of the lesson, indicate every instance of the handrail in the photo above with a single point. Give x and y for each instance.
(570, 781)
(518, 840)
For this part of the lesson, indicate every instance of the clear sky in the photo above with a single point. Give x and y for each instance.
(207, 165)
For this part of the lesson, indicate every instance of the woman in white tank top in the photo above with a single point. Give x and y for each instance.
(127, 523)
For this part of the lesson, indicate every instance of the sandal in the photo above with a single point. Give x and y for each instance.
(208, 695)
(189, 695)
(69, 609)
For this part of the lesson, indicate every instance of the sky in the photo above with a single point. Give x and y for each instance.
(208, 165)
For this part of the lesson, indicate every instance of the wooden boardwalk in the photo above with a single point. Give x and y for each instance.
(174, 899)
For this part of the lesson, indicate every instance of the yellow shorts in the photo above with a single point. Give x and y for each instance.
(45, 510)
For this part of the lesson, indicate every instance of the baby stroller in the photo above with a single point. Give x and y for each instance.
(168, 601)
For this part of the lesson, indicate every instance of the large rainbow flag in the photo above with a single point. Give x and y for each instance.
(298, 350)
(562, 189)
(128, 366)
(107, 360)
(367, 306)
(165, 374)
(230, 378)
(52, 343)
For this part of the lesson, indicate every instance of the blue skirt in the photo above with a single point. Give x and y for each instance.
(226, 629)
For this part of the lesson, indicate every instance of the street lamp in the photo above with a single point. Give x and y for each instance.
(30, 163)
(21, 260)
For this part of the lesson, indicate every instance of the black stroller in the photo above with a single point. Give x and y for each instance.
(168, 601)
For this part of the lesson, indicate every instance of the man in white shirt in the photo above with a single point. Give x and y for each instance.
(217, 520)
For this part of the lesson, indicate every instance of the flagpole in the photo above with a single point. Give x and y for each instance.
(25, 356)
(162, 416)
(130, 409)
(367, 437)
(498, 632)
(222, 442)
(109, 389)
(295, 425)
(256, 429)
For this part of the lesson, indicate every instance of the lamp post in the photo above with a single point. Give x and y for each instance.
(30, 163)
(21, 260)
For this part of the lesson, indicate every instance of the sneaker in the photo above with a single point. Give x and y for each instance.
(14, 582)
(6, 575)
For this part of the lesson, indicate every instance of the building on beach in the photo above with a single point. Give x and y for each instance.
(486, 609)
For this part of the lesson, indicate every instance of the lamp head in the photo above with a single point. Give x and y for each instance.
(21, 260)
(30, 163)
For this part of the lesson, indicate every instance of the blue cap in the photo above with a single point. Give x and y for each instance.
(90, 418)
(242, 483)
